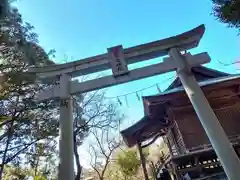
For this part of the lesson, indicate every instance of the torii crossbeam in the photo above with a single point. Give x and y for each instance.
(118, 59)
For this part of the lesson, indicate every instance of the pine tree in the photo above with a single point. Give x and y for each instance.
(24, 122)
(227, 11)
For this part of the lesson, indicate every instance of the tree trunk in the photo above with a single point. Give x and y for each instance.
(154, 172)
(36, 167)
(143, 161)
(77, 159)
(10, 132)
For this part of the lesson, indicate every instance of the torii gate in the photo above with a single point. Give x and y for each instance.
(118, 59)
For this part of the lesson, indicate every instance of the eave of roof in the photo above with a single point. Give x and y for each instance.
(143, 130)
(225, 79)
(204, 71)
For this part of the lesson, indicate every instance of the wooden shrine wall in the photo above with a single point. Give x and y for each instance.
(175, 140)
(191, 134)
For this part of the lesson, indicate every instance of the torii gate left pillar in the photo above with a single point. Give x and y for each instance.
(66, 164)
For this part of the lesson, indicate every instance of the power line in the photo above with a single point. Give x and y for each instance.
(228, 64)
(157, 84)
(143, 89)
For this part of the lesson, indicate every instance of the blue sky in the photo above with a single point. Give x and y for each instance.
(82, 28)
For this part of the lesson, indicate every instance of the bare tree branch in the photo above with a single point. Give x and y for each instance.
(102, 151)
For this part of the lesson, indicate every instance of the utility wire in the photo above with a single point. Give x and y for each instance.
(140, 90)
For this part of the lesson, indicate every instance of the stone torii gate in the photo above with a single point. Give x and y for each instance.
(118, 59)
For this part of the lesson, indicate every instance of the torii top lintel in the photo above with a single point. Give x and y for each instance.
(184, 41)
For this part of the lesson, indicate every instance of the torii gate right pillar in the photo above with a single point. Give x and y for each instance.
(208, 119)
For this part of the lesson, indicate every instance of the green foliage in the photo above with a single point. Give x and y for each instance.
(129, 162)
(145, 152)
(126, 165)
(42, 157)
(28, 128)
(24, 122)
(4, 7)
(17, 173)
(227, 11)
(14, 173)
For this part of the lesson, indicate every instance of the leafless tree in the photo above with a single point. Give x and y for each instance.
(102, 151)
(92, 113)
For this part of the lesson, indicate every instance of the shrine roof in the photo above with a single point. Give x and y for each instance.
(201, 84)
(144, 130)
(201, 73)
(153, 124)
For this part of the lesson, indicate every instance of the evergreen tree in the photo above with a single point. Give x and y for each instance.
(228, 11)
(24, 122)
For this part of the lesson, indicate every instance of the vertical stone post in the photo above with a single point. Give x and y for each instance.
(66, 166)
(208, 119)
